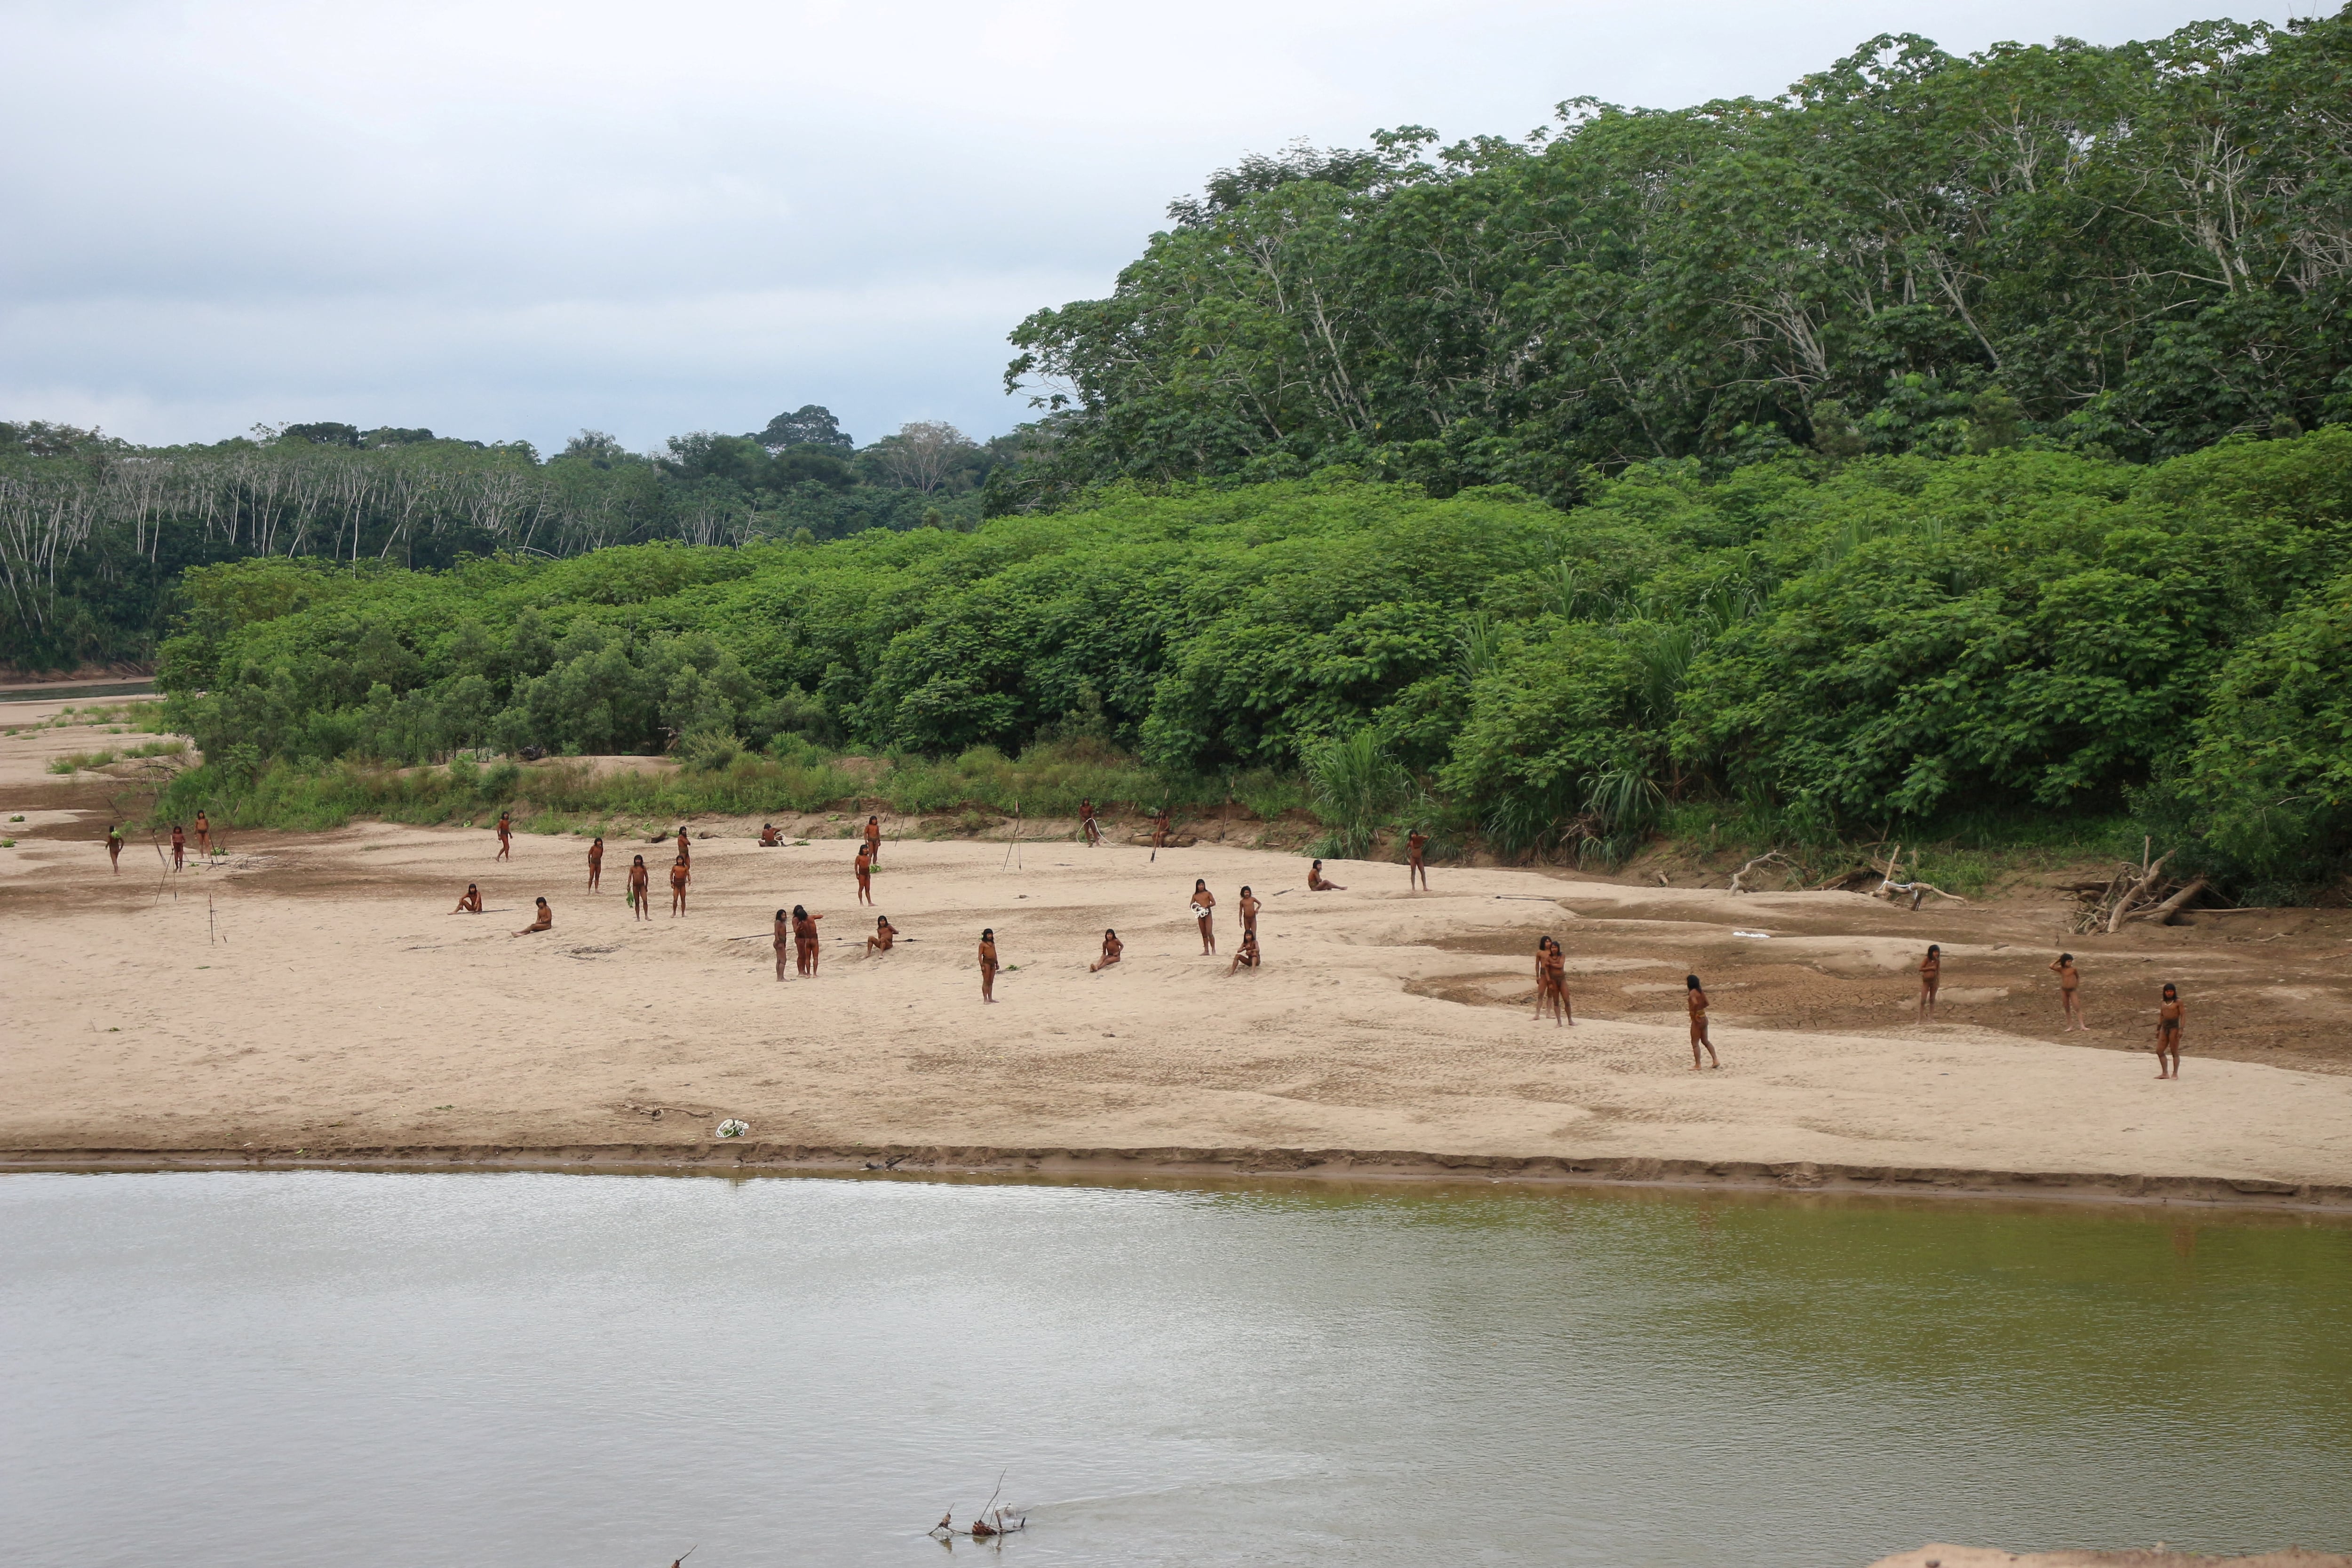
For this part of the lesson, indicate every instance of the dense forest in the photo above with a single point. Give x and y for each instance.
(1817, 649)
(95, 532)
(2129, 252)
(1947, 438)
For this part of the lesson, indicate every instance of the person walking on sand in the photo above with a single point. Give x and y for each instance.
(506, 839)
(545, 920)
(1416, 843)
(640, 889)
(873, 840)
(1247, 958)
(1695, 998)
(885, 933)
(1249, 906)
(1931, 974)
(1204, 911)
(783, 935)
(596, 863)
(204, 835)
(114, 847)
(1089, 828)
(2169, 1019)
(805, 941)
(1112, 947)
(1317, 883)
(179, 847)
(677, 880)
(988, 964)
(865, 869)
(2070, 998)
(470, 903)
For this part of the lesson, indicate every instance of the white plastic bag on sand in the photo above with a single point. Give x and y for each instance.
(731, 1128)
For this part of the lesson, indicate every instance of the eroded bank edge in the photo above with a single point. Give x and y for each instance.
(1350, 1165)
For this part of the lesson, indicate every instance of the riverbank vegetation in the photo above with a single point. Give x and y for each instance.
(1808, 649)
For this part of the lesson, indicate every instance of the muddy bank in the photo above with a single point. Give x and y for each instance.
(1941, 1556)
(754, 1156)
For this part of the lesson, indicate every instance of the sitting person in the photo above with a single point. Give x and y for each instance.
(768, 836)
(471, 904)
(885, 933)
(1112, 947)
(1317, 883)
(546, 921)
(1247, 958)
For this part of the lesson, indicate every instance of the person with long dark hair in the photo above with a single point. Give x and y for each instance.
(2168, 1019)
(1695, 997)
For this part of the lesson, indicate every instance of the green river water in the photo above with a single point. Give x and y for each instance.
(339, 1368)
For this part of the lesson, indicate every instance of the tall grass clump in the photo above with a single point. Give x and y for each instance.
(1356, 787)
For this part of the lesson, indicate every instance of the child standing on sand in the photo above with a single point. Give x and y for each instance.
(2070, 993)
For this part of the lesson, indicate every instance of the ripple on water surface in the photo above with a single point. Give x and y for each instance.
(336, 1368)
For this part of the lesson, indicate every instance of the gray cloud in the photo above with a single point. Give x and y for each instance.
(505, 219)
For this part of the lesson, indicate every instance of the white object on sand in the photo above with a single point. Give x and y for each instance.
(731, 1128)
(1758, 935)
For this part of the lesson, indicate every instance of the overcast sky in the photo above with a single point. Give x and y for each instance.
(502, 219)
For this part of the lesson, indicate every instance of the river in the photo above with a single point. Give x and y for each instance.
(334, 1368)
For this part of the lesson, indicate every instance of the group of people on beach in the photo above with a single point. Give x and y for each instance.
(798, 929)
(114, 842)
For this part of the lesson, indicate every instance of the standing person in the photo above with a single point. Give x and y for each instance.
(1247, 958)
(1249, 906)
(885, 933)
(204, 835)
(545, 920)
(2069, 997)
(677, 880)
(1317, 883)
(1112, 947)
(1543, 976)
(873, 840)
(471, 903)
(865, 869)
(596, 863)
(2168, 1019)
(114, 847)
(1931, 974)
(806, 939)
(1697, 999)
(783, 934)
(179, 847)
(988, 964)
(685, 855)
(506, 837)
(1089, 828)
(640, 889)
(1205, 911)
(1416, 842)
(1556, 961)
(1160, 829)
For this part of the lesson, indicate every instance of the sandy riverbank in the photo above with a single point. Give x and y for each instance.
(312, 992)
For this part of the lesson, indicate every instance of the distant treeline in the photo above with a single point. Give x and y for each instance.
(2129, 252)
(1805, 647)
(95, 532)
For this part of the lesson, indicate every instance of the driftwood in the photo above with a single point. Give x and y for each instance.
(2163, 913)
(990, 1523)
(2139, 890)
(1768, 857)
